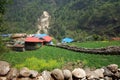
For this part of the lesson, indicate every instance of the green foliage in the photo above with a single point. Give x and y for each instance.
(39, 64)
(2, 11)
(69, 17)
(3, 4)
(3, 48)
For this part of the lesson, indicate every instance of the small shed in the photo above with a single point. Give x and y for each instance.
(18, 47)
(32, 43)
(67, 40)
(47, 39)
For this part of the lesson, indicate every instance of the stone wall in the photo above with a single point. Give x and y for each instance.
(110, 72)
(111, 50)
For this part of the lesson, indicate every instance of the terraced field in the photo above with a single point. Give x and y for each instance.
(51, 57)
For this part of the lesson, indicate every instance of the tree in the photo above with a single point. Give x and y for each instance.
(2, 11)
(2, 29)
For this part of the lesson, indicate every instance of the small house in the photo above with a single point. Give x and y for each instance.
(47, 39)
(32, 43)
(18, 47)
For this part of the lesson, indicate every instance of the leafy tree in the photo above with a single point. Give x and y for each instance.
(2, 29)
(100, 17)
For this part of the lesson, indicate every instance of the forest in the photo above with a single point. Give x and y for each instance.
(79, 19)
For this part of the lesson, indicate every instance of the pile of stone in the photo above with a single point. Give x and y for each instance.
(110, 50)
(111, 72)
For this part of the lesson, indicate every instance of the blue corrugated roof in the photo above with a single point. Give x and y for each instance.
(5, 35)
(67, 40)
(40, 35)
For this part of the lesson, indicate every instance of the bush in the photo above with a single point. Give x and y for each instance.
(39, 64)
(3, 48)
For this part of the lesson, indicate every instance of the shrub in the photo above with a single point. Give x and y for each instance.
(39, 64)
(3, 48)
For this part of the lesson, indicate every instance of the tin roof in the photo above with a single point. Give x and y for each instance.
(33, 39)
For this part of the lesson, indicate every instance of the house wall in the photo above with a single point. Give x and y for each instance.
(32, 45)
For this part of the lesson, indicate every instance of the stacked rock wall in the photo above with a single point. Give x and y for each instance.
(112, 50)
(111, 72)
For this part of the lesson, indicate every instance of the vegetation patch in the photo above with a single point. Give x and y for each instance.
(39, 64)
(57, 57)
(95, 44)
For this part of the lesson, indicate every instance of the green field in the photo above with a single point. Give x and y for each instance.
(50, 57)
(95, 44)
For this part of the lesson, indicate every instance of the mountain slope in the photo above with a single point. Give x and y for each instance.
(72, 18)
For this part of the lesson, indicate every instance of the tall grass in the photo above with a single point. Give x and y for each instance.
(56, 57)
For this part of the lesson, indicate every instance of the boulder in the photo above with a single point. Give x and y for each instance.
(91, 75)
(4, 68)
(39, 77)
(78, 73)
(107, 72)
(3, 78)
(113, 67)
(25, 72)
(117, 75)
(12, 74)
(24, 78)
(67, 74)
(107, 78)
(99, 72)
(46, 75)
(57, 74)
(33, 73)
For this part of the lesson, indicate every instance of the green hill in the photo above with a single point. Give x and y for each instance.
(71, 18)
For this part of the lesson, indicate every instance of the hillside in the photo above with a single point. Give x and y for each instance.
(70, 18)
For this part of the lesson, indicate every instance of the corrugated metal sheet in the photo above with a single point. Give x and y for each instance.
(33, 39)
(47, 38)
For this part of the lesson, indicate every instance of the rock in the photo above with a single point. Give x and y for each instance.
(67, 74)
(57, 74)
(39, 77)
(43, 22)
(119, 70)
(107, 78)
(25, 72)
(4, 68)
(14, 79)
(12, 74)
(91, 75)
(46, 75)
(78, 73)
(117, 75)
(33, 73)
(113, 67)
(3, 78)
(99, 72)
(24, 79)
(107, 72)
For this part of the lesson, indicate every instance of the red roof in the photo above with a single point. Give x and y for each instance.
(116, 38)
(33, 39)
(47, 38)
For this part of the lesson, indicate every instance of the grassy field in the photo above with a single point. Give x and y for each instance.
(50, 57)
(96, 44)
